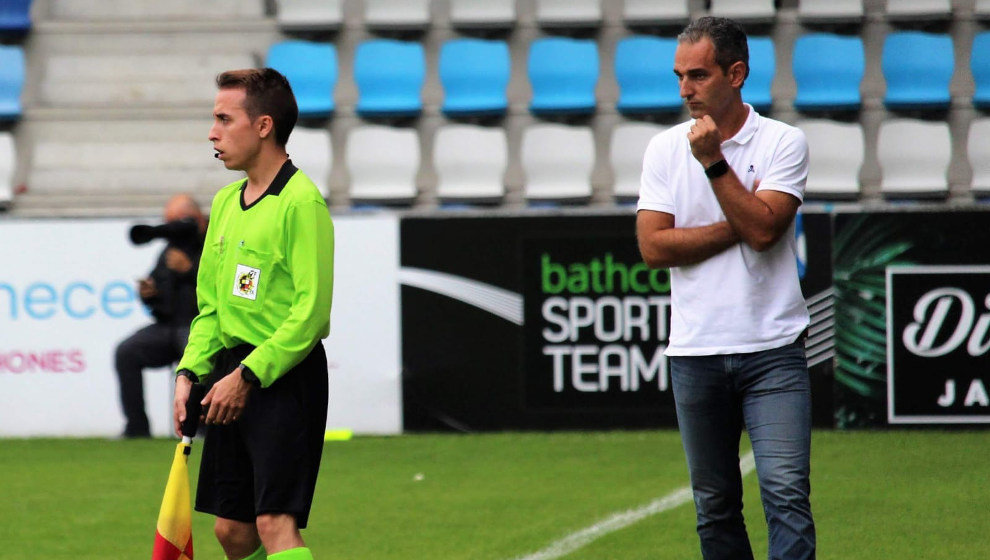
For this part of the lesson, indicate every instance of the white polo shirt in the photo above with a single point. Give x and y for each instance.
(739, 300)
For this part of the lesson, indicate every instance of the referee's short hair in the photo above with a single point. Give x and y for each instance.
(267, 92)
(726, 35)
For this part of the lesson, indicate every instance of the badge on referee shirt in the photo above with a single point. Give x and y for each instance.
(246, 282)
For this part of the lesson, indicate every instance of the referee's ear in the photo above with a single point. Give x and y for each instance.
(265, 126)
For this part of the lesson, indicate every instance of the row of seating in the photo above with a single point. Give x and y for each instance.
(558, 159)
(563, 72)
(327, 14)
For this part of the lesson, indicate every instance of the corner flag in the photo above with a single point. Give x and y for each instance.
(173, 537)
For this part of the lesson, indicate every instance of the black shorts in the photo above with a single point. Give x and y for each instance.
(267, 460)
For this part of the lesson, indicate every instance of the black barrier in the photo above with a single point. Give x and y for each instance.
(912, 293)
(550, 322)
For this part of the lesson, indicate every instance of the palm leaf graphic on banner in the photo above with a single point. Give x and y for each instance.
(864, 247)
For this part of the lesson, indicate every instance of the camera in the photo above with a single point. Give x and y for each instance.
(180, 232)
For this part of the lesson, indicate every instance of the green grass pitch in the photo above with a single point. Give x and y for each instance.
(876, 495)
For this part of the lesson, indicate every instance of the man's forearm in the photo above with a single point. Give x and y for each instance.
(665, 248)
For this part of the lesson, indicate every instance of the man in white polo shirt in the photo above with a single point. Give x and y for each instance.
(717, 204)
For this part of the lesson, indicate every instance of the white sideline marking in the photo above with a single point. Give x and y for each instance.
(623, 519)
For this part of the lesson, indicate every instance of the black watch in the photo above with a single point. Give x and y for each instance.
(249, 376)
(717, 169)
(186, 373)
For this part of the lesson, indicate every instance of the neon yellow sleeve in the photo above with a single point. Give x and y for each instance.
(309, 258)
(204, 332)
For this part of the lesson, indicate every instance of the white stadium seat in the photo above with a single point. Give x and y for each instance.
(748, 10)
(482, 13)
(978, 145)
(557, 160)
(835, 157)
(830, 10)
(629, 143)
(309, 14)
(310, 150)
(8, 163)
(568, 13)
(383, 162)
(470, 161)
(651, 12)
(918, 9)
(914, 157)
(402, 14)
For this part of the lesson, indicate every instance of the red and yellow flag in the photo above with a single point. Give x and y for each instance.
(173, 539)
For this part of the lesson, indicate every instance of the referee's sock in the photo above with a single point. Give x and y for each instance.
(301, 553)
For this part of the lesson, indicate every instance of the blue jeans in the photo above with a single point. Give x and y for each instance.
(768, 393)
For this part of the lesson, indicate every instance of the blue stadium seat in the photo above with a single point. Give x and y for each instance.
(563, 73)
(643, 70)
(762, 65)
(389, 76)
(917, 67)
(828, 69)
(15, 15)
(474, 74)
(312, 72)
(11, 81)
(980, 65)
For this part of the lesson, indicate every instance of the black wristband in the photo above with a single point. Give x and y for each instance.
(717, 169)
(186, 373)
(249, 376)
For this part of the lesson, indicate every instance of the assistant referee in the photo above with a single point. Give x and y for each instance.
(264, 290)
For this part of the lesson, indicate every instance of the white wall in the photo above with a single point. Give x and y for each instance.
(67, 299)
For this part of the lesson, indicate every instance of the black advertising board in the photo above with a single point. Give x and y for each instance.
(906, 286)
(938, 365)
(551, 322)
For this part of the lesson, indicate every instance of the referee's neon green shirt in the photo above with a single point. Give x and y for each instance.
(265, 277)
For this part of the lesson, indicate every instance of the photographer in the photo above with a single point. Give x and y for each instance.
(170, 294)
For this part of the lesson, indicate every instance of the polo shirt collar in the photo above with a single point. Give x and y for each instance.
(277, 185)
(749, 127)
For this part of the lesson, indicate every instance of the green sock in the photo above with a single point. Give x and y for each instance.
(259, 554)
(300, 553)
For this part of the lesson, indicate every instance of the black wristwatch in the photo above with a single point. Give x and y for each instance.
(249, 376)
(717, 169)
(188, 374)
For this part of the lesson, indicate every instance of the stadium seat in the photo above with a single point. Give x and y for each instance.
(470, 162)
(744, 10)
(482, 14)
(397, 14)
(311, 69)
(978, 146)
(474, 74)
(563, 73)
(307, 15)
(15, 16)
(651, 12)
(914, 157)
(382, 162)
(982, 9)
(814, 11)
(835, 156)
(828, 70)
(643, 71)
(568, 13)
(389, 75)
(557, 160)
(980, 65)
(917, 67)
(311, 151)
(11, 81)
(762, 65)
(155, 10)
(918, 9)
(629, 141)
(8, 163)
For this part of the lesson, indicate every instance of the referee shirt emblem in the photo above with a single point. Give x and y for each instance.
(246, 281)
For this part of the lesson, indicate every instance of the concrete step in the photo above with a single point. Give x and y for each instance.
(130, 10)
